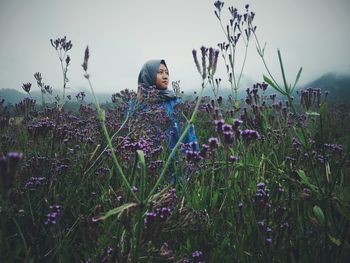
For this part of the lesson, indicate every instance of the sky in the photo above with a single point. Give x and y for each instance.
(123, 35)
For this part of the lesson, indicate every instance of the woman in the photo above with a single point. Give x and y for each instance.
(153, 84)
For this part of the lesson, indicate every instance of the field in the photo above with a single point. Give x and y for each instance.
(269, 183)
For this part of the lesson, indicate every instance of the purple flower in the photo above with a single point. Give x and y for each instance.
(53, 215)
(228, 137)
(261, 185)
(204, 150)
(197, 254)
(213, 143)
(233, 159)
(26, 87)
(34, 182)
(14, 157)
(219, 124)
(219, 5)
(237, 123)
(269, 240)
(150, 217)
(249, 135)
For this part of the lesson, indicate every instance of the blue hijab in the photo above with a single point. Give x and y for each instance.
(147, 81)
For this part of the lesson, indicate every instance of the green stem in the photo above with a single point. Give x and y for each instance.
(261, 54)
(64, 72)
(135, 256)
(106, 147)
(109, 141)
(283, 74)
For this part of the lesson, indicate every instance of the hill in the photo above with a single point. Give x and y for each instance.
(13, 96)
(338, 86)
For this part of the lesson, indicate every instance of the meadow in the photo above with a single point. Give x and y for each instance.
(270, 182)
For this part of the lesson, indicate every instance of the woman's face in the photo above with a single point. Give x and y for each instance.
(162, 79)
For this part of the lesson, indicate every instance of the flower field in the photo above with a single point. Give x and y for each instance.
(269, 183)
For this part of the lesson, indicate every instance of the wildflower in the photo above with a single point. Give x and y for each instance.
(48, 89)
(204, 51)
(34, 182)
(204, 150)
(197, 254)
(134, 189)
(305, 193)
(261, 223)
(219, 5)
(194, 54)
(219, 124)
(249, 135)
(213, 143)
(38, 78)
(61, 43)
(86, 59)
(336, 148)
(53, 216)
(150, 217)
(26, 87)
(228, 137)
(296, 143)
(14, 158)
(233, 159)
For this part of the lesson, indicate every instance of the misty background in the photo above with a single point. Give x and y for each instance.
(122, 35)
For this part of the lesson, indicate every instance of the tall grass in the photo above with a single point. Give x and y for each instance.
(269, 183)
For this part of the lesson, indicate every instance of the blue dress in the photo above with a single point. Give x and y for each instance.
(174, 130)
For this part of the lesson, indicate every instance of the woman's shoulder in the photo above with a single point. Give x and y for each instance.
(174, 101)
(170, 104)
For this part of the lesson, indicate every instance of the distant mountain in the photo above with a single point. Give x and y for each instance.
(338, 86)
(13, 96)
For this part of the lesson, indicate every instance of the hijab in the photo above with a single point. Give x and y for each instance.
(147, 82)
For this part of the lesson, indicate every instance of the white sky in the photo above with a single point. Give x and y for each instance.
(122, 35)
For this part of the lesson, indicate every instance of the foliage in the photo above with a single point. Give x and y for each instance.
(269, 183)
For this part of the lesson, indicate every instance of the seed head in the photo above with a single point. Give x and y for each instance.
(86, 59)
(26, 87)
(195, 58)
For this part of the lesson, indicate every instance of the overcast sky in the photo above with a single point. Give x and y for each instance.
(122, 35)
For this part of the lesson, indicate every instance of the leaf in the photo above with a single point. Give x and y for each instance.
(312, 113)
(269, 81)
(282, 71)
(328, 172)
(141, 159)
(115, 211)
(214, 199)
(273, 85)
(323, 108)
(319, 214)
(297, 78)
(225, 242)
(303, 177)
(305, 180)
(337, 242)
